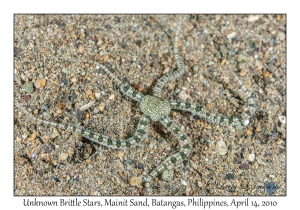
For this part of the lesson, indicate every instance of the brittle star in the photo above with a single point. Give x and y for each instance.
(155, 108)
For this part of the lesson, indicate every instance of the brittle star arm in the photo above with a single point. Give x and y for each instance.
(180, 65)
(124, 86)
(201, 111)
(96, 137)
(172, 160)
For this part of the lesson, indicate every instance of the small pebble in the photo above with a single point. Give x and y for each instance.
(196, 69)
(32, 137)
(106, 58)
(27, 97)
(249, 132)
(141, 88)
(102, 106)
(88, 93)
(86, 106)
(140, 166)
(40, 83)
(65, 82)
(223, 61)
(97, 95)
(230, 36)
(221, 148)
(266, 74)
(57, 179)
(81, 49)
(243, 72)
(251, 157)
(244, 166)
(281, 36)
(183, 95)
(281, 119)
(63, 156)
(138, 43)
(46, 115)
(209, 106)
(135, 181)
(29, 87)
(121, 154)
(136, 86)
(48, 148)
(112, 96)
(253, 18)
(60, 105)
(128, 162)
(229, 176)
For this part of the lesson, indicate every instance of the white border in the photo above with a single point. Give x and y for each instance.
(8, 201)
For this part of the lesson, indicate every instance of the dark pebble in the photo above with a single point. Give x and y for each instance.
(140, 166)
(244, 166)
(77, 44)
(57, 179)
(138, 43)
(17, 51)
(117, 19)
(48, 149)
(80, 115)
(27, 97)
(253, 46)
(108, 26)
(274, 136)
(229, 176)
(65, 81)
(169, 31)
(196, 117)
(271, 188)
(153, 56)
(60, 24)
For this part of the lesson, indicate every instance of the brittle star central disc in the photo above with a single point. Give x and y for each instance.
(155, 107)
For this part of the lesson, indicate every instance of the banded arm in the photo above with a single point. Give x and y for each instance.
(180, 65)
(216, 118)
(182, 155)
(93, 136)
(236, 121)
(124, 87)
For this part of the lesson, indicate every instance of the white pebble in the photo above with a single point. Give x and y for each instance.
(112, 96)
(183, 182)
(97, 95)
(281, 119)
(231, 35)
(253, 18)
(222, 148)
(281, 36)
(86, 106)
(251, 157)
